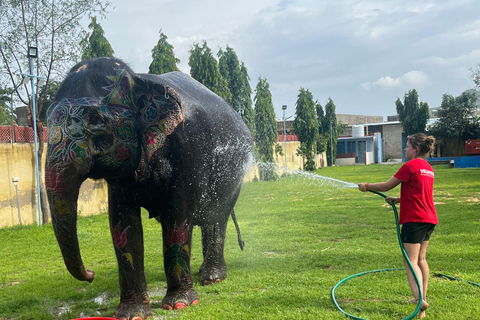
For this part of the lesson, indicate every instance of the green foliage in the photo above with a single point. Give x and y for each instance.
(457, 118)
(238, 80)
(279, 149)
(204, 68)
(331, 129)
(248, 114)
(266, 134)
(306, 126)
(54, 27)
(475, 73)
(302, 236)
(163, 57)
(95, 45)
(322, 139)
(412, 114)
(5, 100)
(48, 92)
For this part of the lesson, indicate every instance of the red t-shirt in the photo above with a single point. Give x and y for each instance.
(416, 195)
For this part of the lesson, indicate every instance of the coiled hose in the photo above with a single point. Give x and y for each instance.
(420, 300)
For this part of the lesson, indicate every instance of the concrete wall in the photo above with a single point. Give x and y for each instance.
(18, 160)
(392, 141)
(353, 119)
(295, 162)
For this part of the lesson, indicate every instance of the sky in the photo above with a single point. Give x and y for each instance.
(361, 54)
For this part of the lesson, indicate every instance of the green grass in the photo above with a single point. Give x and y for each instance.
(302, 237)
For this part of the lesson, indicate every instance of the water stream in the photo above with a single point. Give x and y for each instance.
(322, 180)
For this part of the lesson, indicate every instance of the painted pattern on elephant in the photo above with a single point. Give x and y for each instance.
(163, 143)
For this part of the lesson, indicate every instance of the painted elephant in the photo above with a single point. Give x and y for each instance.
(165, 143)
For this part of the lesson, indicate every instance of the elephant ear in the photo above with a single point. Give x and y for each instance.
(159, 112)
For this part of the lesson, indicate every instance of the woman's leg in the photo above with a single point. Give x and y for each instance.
(416, 253)
(422, 263)
(413, 253)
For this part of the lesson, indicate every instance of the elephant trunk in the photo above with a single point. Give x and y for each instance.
(63, 187)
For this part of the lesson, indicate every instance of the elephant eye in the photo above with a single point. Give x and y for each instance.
(95, 119)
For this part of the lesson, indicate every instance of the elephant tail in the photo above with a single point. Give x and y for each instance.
(240, 241)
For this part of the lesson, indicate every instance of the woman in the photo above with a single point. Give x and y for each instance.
(417, 212)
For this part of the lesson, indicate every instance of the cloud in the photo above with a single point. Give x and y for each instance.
(410, 79)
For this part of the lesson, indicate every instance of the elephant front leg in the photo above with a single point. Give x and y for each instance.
(177, 239)
(127, 235)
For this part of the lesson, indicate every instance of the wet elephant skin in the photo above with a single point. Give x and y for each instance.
(164, 143)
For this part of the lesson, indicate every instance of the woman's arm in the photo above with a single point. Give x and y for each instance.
(380, 186)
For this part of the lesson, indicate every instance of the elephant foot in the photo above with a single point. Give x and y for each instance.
(180, 300)
(129, 311)
(211, 275)
(134, 308)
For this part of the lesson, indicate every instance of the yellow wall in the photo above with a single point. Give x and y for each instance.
(18, 160)
(294, 162)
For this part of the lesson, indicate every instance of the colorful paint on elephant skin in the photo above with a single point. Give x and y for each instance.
(120, 241)
(176, 247)
(121, 89)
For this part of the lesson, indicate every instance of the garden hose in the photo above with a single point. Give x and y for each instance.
(420, 300)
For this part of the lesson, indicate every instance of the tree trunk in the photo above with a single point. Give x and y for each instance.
(43, 190)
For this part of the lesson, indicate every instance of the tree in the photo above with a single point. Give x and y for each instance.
(456, 118)
(95, 45)
(321, 141)
(204, 68)
(238, 80)
(476, 75)
(54, 28)
(49, 93)
(164, 59)
(331, 130)
(306, 126)
(5, 113)
(412, 114)
(266, 134)
(246, 99)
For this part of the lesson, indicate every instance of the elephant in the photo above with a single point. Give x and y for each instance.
(164, 143)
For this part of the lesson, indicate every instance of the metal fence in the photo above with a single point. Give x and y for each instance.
(21, 134)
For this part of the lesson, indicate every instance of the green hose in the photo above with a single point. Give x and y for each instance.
(420, 300)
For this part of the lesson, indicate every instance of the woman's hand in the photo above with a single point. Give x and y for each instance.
(363, 187)
(392, 200)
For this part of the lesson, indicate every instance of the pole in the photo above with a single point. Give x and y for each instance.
(331, 143)
(284, 141)
(34, 122)
(11, 110)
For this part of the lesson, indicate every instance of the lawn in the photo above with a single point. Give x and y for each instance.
(302, 236)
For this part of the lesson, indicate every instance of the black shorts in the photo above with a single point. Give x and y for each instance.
(416, 232)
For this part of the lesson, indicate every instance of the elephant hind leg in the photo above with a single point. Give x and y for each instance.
(214, 268)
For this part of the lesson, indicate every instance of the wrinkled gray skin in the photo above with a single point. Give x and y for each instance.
(165, 143)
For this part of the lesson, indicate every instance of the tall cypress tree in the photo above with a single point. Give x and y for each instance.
(238, 81)
(95, 45)
(246, 99)
(164, 59)
(413, 115)
(321, 141)
(306, 126)
(330, 125)
(266, 134)
(204, 68)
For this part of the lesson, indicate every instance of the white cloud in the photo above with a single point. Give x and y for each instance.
(409, 79)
